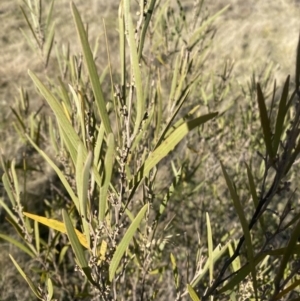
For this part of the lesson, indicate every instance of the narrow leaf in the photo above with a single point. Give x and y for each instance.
(169, 193)
(175, 270)
(82, 181)
(165, 132)
(58, 172)
(288, 253)
(18, 245)
(56, 225)
(37, 236)
(92, 70)
(136, 76)
(253, 193)
(28, 280)
(122, 246)
(74, 240)
(30, 26)
(50, 289)
(146, 22)
(108, 168)
(198, 32)
(6, 184)
(217, 253)
(57, 109)
(242, 274)
(49, 44)
(210, 248)
(192, 293)
(239, 210)
(166, 146)
(265, 122)
(77, 249)
(281, 113)
(287, 290)
(236, 264)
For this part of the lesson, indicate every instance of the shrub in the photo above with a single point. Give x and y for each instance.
(121, 225)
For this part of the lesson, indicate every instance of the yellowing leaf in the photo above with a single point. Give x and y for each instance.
(56, 225)
(192, 293)
(101, 251)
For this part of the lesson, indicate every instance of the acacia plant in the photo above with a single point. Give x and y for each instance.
(108, 147)
(109, 230)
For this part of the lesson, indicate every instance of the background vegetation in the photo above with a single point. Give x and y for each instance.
(243, 45)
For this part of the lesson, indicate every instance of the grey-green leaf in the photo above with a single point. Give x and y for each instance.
(166, 146)
(281, 113)
(76, 246)
(122, 246)
(239, 210)
(265, 122)
(108, 168)
(92, 70)
(28, 280)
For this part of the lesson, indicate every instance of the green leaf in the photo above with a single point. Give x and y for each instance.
(175, 271)
(236, 264)
(122, 50)
(245, 270)
(49, 16)
(79, 182)
(210, 249)
(265, 122)
(59, 112)
(171, 128)
(74, 240)
(239, 210)
(168, 195)
(146, 22)
(49, 45)
(98, 146)
(58, 172)
(217, 253)
(281, 113)
(82, 183)
(136, 76)
(290, 288)
(92, 70)
(77, 249)
(175, 77)
(18, 245)
(31, 29)
(37, 236)
(108, 168)
(166, 131)
(195, 37)
(7, 188)
(242, 274)
(292, 158)
(166, 146)
(50, 289)
(286, 256)
(15, 182)
(122, 246)
(254, 194)
(192, 293)
(28, 280)
(62, 254)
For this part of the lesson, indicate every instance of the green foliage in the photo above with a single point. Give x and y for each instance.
(120, 229)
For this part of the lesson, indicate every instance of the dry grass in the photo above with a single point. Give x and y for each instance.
(254, 34)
